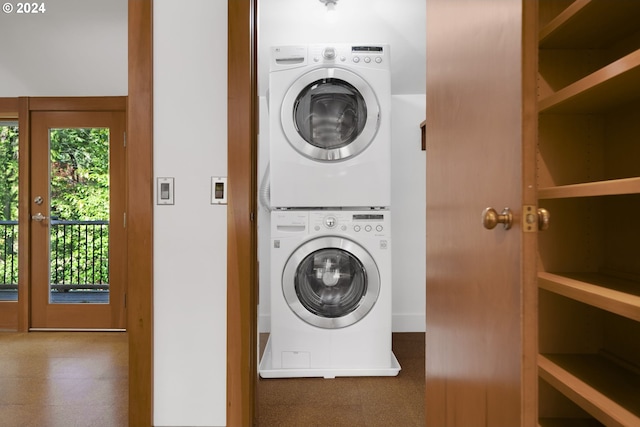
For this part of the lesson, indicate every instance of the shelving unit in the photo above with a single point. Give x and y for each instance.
(595, 383)
(612, 85)
(615, 295)
(591, 189)
(589, 180)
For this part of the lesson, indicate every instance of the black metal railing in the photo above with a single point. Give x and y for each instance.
(9, 255)
(79, 255)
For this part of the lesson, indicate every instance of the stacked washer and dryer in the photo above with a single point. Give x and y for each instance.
(330, 194)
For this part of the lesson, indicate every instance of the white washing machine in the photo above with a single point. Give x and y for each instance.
(330, 295)
(329, 121)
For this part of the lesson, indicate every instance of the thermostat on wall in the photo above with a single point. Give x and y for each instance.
(218, 190)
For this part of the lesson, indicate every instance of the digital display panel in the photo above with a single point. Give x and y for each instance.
(368, 217)
(367, 49)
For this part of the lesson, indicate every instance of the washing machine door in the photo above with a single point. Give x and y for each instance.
(331, 282)
(330, 114)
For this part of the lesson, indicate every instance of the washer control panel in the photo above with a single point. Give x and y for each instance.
(364, 223)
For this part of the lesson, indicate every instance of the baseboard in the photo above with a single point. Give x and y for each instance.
(408, 323)
(264, 323)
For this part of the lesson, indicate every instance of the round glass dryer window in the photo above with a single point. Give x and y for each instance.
(330, 114)
(331, 286)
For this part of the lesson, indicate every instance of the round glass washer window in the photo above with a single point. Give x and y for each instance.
(331, 282)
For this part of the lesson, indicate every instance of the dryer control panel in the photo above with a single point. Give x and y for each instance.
(370, 56)
(361, 55)
(375, 223)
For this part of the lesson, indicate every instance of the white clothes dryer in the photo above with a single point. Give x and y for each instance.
(330, 295)
(329, 121)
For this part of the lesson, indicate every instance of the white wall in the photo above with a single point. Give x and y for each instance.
(190, 144)
(408, 203)
(74, 48)
(401, 24)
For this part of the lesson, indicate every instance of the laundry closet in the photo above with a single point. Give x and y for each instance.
(367, 35)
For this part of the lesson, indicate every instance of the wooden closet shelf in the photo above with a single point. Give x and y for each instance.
(616, 84)
(606, 390)
(613, 187)
(590, 24)
(569, 422)
(612, 294)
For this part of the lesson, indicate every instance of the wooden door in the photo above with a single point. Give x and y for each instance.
(481, 296)
(77, 250)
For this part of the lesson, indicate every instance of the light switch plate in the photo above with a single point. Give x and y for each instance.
(219, 190)
(165, 191)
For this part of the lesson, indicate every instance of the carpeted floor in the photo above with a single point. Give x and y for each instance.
(350, 402)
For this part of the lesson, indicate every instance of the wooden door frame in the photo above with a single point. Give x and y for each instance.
(9, 310)
(140, 212)
(242, 128)
(56, 105)
(17, 315)
(529, 297)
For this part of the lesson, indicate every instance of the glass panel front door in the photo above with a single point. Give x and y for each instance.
(78, 247)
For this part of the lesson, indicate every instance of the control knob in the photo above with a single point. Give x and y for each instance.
(330, 221)
(329, 53)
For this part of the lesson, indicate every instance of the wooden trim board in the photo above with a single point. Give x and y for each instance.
(241, 228)
(140, 213)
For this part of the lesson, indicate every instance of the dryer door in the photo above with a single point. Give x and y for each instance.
(330, 114)
(331, 282)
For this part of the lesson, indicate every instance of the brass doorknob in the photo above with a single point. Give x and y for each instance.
(491, 218)
(543, 219)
